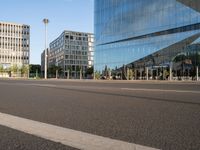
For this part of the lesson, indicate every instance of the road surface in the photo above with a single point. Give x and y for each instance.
(162, 115)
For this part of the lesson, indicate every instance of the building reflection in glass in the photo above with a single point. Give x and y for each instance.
(147, 39)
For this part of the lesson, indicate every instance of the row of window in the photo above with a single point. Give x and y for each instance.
(75, 67)
(15, 61)
(12, 39)
(72, 51)
(14, 57)
(76, 57)
(76, 34)
(77, 62)
(8, 45)
(76, 52)
(72, 47)
(13, 33)
(19, 63)
(69, 43)
(13, 26)
(56, 53)
(14, 54)
(70, 39)
(77, 43)
(78, 38)
(55, 57)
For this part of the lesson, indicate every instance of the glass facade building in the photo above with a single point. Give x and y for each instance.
(147, 39)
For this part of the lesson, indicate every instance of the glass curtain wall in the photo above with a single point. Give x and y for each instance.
(147, 39)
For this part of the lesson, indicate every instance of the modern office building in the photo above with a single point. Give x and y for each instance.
(14, 44)
(73, 52)
(147, 39)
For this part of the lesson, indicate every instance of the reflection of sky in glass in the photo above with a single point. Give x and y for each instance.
(115, 55)
(117, 18)
(196, 41)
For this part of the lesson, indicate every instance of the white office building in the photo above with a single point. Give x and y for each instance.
(14, 44)
(73, 52)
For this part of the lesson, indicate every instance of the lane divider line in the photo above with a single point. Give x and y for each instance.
(160, 90)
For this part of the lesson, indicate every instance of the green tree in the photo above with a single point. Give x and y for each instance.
(14, 68)
(34, 70)
(97, 75)
(1, 69)
(166, 74)
(54, 70)
(90, 70)
(25, 70)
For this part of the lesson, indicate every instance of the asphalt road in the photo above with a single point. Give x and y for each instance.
(15, 140)
(164, 115)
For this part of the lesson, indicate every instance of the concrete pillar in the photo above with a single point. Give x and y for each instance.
(75, 74)
(135, 74)
(197, 73)
(121, 74)
(140, 73)
(127, 74)
(56, 74)
(68, 74)
(80, 74)
(157, 74)
(94, 74)
(147, 73)
(170, 71)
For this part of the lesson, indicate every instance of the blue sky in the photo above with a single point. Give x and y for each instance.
(76, 15)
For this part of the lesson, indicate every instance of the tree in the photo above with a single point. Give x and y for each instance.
(90, 70)
(130, 74)
(1, 68)
(54, 70)
(34, 70)
(25, 70)
(69, 69)
(166, 74)
(14, 68)
(97, 75)
(34, 67)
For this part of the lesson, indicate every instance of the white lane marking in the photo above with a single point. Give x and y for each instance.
(42, 85)
(58, 86)
(69, 137)
(29, 84)
(102, 88)
(160, 90)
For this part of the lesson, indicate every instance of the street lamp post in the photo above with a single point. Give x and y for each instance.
(46, 21)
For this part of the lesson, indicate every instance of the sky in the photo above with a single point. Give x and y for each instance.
(75, 15)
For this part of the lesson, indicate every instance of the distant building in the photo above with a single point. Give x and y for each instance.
(43, 62)
(73, 52)
(14, 44)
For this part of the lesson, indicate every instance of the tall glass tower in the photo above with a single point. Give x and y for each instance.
(147, 39)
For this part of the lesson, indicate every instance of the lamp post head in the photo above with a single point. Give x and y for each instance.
(46, 21)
